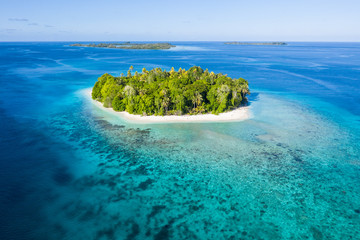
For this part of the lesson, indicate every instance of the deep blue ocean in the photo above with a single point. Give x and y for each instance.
(69, 170)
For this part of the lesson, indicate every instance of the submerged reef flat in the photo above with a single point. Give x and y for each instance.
(257, 43)
(127, 45)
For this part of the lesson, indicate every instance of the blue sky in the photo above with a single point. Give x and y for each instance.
(210, 20)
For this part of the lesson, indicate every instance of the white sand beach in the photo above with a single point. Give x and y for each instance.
(236, 115)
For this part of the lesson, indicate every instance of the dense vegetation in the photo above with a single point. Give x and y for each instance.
(256, 43)
(171, 93)
(126, 45)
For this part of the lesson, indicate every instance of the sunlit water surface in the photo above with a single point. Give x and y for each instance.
(69, 170)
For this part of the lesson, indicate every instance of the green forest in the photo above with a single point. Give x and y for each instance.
(161, 92)
(127, 45)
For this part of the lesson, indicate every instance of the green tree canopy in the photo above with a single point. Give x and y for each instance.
(158, 92)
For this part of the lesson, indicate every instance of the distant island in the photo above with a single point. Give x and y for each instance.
(127, 45)
(159, 92)
(257, 43)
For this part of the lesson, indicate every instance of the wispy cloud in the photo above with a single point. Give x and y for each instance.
(18, 19)
(26, 20)
(8, 30)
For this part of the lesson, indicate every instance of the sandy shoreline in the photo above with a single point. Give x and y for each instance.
(239, 114)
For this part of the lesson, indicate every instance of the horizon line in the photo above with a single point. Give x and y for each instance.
(292, 41)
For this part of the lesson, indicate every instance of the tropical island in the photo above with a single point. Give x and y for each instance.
(257, 43)
(173, 93)
(126, 45)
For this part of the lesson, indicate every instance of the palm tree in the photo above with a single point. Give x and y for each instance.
(244, 90)
(198, 98)
(165, 103)
(180, 102)
(223, 92)
(129, 91)
(193, 99)
(172, 70)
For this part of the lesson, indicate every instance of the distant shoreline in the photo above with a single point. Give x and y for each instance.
(258, 43)
(126, 45)
(239, 114)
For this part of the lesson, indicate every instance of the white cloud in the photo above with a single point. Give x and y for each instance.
(18, 19)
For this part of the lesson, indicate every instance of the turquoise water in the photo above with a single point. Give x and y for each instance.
(72, 171)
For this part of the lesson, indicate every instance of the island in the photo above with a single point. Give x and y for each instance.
(173, 95)
(126, 45)
(257, 43)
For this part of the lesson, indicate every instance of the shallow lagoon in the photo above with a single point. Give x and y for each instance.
(72, 171)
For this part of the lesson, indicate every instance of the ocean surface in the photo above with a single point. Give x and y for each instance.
(69, 170)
